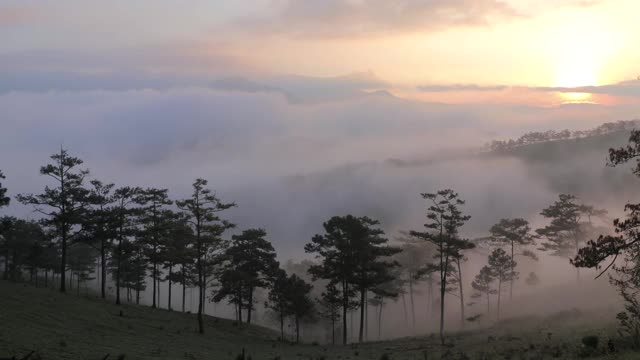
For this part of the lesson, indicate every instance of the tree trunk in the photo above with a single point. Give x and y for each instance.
(366, 316)
(63, 263)
(512, 272)
(363, 293)
(404, 309)
(413, 309)
(5, 275)
(443, 290)
(169, 299)
(250, 308)
(577, 268)
(240, 305)
(184, 289)
(297, 330)
(461, 294)
(118, 262)
(46, 278)
(380, 320)
(200, 277)
(499, 293)
(333, 330)
(345, 307)
(103, 269)
(153, 277)
(281, 324)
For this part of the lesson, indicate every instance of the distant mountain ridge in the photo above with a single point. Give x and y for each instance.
(536, 137)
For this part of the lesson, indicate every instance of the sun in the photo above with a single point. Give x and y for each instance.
(579, 51)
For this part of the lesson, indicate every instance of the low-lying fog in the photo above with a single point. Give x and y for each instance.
(290, 166)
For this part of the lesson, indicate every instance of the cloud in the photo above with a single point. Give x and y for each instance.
(18, 15)
(339, 18)
(163, 68)
(625, 88)
(460, 87)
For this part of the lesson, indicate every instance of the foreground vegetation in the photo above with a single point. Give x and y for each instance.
(59, 326)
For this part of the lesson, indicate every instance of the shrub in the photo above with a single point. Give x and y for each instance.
(590, 341)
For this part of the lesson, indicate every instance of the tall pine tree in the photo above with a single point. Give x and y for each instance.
(64, 205)
(444, 221)
(202, 210)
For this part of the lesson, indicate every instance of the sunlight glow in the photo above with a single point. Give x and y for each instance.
(580, 50)
(576, 97)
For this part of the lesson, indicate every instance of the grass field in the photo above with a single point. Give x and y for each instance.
(60, 326)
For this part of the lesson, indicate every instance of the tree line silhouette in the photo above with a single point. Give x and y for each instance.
(134, 234)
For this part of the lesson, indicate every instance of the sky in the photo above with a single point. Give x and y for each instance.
(292, 107)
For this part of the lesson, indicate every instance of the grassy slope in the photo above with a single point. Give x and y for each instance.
(67, 327)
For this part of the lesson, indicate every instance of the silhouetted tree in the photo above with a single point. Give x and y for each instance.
(152, 202)
(20, 241)
(123, 226)
(330, 302)
(300, 303)
(532, 279)
(502, 267)
(387, 290)
(354, 254)
(515, 233)
(4, 199)
(250, 261)
(179, 236)
(567, 229)
(413, 258)
(64, 205)
(483, 285)
(82, 258)
(458, 258)
(444, 220)
(622, 248)
(277, 299)
(202, 210)
(97, 226)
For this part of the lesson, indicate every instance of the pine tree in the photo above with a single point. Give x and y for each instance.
(82, 259)
(277, 299)
(444, 221)
(300, 303)
(202, 210)
(250, 261)
(382, 292)
(96, 226)
(515, 233)
(63, 206)
(568, 228)
(152, 202)
(483, 284)
(413, 258)
(4, 199)
(123, 226)
(354, 254)
(179, 236)
(19, 240)
(502, 267)
(329, 307)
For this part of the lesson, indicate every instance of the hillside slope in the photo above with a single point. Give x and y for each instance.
(61, 326)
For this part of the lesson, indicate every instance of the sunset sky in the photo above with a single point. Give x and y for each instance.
(439, 50)
(254, 94)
